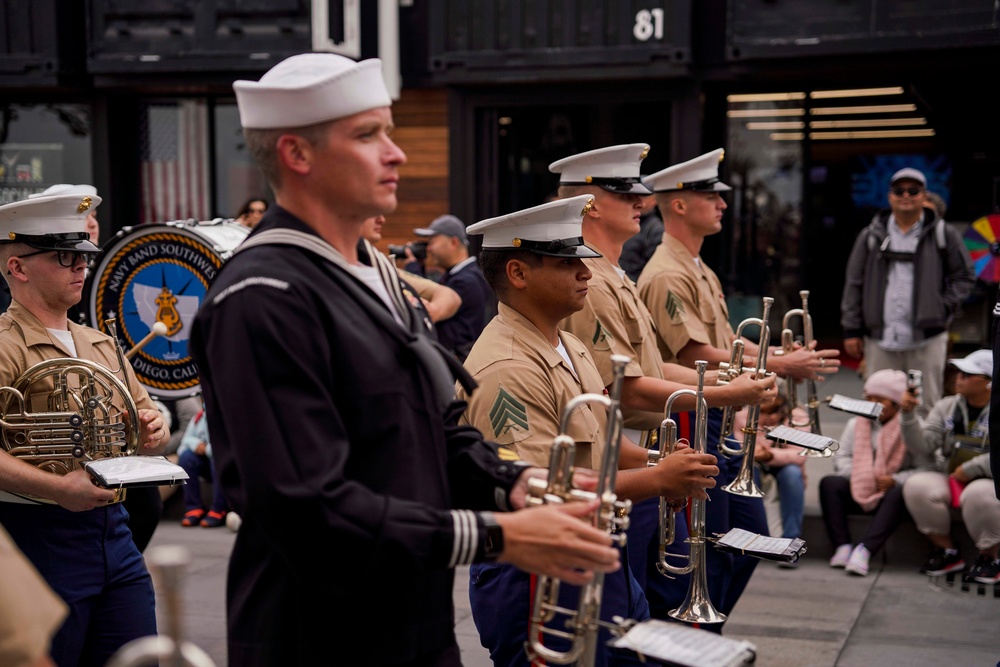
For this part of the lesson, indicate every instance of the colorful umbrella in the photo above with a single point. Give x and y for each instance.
(982, 238)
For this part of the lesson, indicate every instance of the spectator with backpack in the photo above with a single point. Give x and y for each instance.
(907, 277)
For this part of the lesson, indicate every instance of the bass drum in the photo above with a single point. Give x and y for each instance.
(160, 273)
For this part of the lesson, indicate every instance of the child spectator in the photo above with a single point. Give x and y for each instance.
(784, 464)
(195, 456)
(870, 467)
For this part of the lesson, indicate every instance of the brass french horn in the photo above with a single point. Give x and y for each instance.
(81, 419)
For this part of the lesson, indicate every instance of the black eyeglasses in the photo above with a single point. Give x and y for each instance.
(67, 258)
(913, 191)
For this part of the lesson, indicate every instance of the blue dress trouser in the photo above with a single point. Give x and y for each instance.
(90, 561)
(502, 595)
(200, 467)
(663, 593)
(728, 574)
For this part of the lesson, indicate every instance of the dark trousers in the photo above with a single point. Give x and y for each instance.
(501, 597)
(90, 561)
(144, 506)
(663, 593)
(198, 468)
(837, 505)
(728, 574)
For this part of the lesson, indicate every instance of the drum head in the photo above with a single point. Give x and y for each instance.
(159, 273)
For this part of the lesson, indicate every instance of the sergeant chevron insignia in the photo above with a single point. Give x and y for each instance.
(602, 337)
(675, 308)
(507, 413)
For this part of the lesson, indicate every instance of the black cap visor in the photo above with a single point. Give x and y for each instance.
(708, 185)
(573, 247)
(75, 241)
(623, 186)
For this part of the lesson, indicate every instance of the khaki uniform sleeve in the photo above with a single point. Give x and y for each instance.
(516, 407)
(673, 302)
(30, 612)
(607, 326)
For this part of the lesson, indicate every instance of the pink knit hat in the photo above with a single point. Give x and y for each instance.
(886, 384)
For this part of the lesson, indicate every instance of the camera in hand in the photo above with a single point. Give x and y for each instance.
(418, 248)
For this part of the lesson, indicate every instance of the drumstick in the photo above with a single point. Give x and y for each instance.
(159, 329)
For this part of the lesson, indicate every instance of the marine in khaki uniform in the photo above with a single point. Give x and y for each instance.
(527, 371)
(689, 197)
(615, 321)
(685, 300)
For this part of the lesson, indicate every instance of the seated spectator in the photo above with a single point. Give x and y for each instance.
(195, 456)
(956, 434)
(783, 463)
(870, 468)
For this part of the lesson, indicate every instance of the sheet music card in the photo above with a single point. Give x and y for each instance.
(869, 409)
(682, 646)
(805, 439)
(742, 541)
(132, 471)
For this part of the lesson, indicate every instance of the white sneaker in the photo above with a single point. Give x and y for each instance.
(858, 562)
(841, 556)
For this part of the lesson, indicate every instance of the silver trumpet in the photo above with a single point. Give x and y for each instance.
(697, 606)
(791, 386)
(167, 564)
(744, 484)
(583, 623)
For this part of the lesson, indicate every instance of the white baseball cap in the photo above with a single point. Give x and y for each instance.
(979, 362)
(911, 174)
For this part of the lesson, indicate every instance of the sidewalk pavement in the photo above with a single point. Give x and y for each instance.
(811, 616)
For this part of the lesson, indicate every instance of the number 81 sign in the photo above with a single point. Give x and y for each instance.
(648, 23)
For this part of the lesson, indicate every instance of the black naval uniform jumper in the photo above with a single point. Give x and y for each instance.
(332, 447)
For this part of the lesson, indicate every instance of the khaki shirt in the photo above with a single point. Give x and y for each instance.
(24, 342)
(685, 299)
(30, 612)
(615, 321)
(524, 384)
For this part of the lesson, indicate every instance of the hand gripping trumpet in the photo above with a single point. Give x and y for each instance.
(582, 624)
(787, 346)
(744, 484)
(697, 606)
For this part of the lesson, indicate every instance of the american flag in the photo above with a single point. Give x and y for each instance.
(175, 162)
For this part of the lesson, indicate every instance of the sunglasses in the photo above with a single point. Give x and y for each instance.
(67, 258)
(258, 210)
(913, 191)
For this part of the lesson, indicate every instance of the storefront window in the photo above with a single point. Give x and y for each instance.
(764, 163)
(41, 145)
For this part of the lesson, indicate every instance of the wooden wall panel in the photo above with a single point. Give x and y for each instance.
(421, 118)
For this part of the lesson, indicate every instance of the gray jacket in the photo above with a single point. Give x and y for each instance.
(935, 435)
(943, 278)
